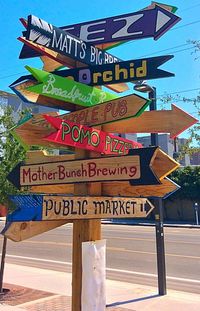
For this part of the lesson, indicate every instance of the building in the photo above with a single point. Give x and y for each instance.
(195, 158)
(164, 142)
(18, 105)
(168, 145)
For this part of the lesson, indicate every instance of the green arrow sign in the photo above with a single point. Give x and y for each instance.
(67, 90)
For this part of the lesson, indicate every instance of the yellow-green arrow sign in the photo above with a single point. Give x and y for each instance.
(67, 90)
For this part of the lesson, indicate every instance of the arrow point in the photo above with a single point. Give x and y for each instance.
(184, 118)
(55, 122)
(14, 176)
(162, 19)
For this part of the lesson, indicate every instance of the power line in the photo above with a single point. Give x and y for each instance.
(191, 7)
(170, 49)
(179, 92)
(15, 74)
(185, 25)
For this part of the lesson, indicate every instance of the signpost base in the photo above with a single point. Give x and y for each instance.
(83, 230)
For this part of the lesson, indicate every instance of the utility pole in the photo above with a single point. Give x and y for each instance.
(160, 246)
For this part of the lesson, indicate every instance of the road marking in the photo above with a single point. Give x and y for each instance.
(107, 237)
(150, 253)
(152, 275)
(149, 240)
(47, 242)
(40, 259)
(117, 249)
(107, 269)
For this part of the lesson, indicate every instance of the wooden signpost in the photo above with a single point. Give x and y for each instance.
(80, 136)
(143, 166)
(67, 90)
(175, 121)
(50, 207)
(91, 186)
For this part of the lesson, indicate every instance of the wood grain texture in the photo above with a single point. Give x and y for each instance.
(123, 188)
(93, 207)
(119, 188)
(20, 231)
(173, 121)
(114, 110)
(121, 168)
(163, 164)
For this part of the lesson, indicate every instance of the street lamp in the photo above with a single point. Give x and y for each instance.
(143, 87)
(151, 90)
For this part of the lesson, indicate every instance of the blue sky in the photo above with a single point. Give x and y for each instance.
(60, 12)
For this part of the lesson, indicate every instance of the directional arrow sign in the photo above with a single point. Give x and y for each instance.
(114, 188)
(126, 71)
(173, 121)
(138, 25)
(67, 90)
(20, 88)
(114, 110)
(60, 41)
(143, 166)
(48, 207)
(80, 136)
(20, 231)
(123, 188)
(117, 188)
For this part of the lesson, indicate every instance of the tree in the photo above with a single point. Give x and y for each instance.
(192, 144)
(189, 180)
(11, 152)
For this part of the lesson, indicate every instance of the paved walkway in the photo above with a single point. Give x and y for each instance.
(121, 296)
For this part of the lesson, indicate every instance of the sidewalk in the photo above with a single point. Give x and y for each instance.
(49, 290)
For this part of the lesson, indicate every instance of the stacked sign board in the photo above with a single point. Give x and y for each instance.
(115, 176)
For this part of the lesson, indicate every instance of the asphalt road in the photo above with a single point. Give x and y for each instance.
(131, 254)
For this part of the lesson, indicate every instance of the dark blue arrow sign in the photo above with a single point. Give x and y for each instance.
(29, 207)
(58, 40)
(138, 25)
(125, 71)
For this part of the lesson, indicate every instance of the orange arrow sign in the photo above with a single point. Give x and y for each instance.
(173, 121)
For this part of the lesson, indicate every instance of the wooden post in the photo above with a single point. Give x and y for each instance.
(83, 230)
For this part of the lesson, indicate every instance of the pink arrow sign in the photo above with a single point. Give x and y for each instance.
(84, 137)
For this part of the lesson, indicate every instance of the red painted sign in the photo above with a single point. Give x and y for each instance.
(81, 136)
